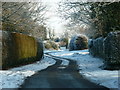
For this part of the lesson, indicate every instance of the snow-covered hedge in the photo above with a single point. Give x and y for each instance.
(18, 49)
(79, 42)
(96, 47)
(107, 48)
(40, 49)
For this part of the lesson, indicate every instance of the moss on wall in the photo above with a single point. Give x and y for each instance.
(19, 49)
(25, 46)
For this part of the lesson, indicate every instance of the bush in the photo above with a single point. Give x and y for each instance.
(96, 47)
(105, 17)
(40, 48)
(112, 50)
(51, 45)
(64, 42)
(47, 45)
(79, 42)
(107, 48)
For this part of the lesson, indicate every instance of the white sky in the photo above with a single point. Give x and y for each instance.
(54, 21)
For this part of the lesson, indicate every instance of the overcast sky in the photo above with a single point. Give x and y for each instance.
(54, 21)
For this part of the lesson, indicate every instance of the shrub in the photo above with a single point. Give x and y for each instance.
(47, 45)
(79, 42)
(40, 48)
(64, 42)
(51, 45)
(112, 50)
(96, 47)
(107, 48)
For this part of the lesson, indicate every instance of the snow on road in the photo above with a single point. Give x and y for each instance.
(13, 78)
(65, 62)
(89, 67)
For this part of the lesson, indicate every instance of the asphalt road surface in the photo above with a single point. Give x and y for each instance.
(57, 76)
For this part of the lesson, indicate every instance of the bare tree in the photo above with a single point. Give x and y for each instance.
(23, 16)
(76, 12)
(95, 16)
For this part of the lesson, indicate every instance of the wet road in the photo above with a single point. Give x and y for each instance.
(57, 77)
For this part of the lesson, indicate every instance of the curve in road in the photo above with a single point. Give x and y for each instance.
(57, 76)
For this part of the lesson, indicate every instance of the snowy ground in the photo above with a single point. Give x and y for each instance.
(13, 78)
(89, 68)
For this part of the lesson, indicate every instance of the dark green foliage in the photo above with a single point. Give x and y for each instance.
(107, 48)
(112, 50)
(40, 50)
(105, 17)
(96, 47)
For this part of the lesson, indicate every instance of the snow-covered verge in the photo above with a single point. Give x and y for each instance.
(59, 50)
(13, 78)
(65, 62)
(89, 67)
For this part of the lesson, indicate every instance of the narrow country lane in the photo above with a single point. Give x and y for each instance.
(57, 77)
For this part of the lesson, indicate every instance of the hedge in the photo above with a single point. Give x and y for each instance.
(19, 49)
(79, 42)
(107, 48)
